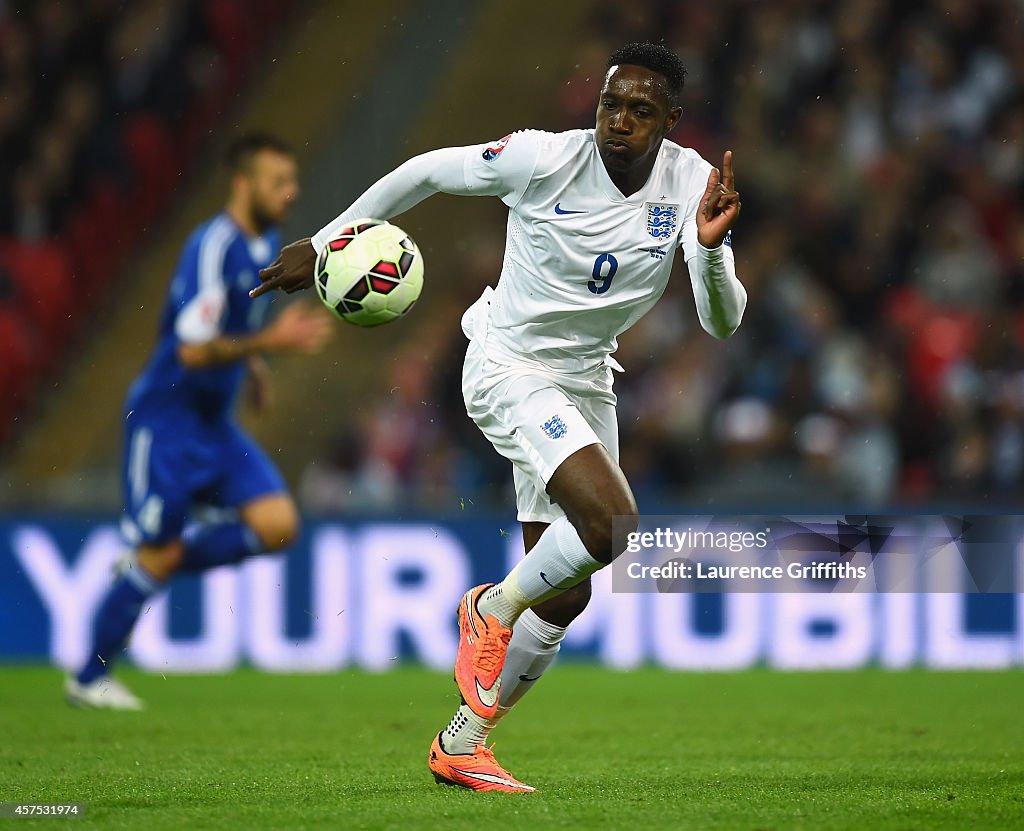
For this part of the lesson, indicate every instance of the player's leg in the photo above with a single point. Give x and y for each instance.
(273, 518)
(266, 523)
(156, 488)
(562, 609)
(535, 423)
(597, 404)
(553, 577)
(266, 518)
(159, 561)
(592, 490)
(537, 634)
(536, 640)
(142, 577)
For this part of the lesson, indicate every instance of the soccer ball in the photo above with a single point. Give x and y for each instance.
(369, 273)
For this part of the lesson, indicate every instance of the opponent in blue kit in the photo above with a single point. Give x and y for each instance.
(182, 445)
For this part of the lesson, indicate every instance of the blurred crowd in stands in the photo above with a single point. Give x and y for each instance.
(879, 150)
(96, 98)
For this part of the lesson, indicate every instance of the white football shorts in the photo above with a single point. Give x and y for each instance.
(537, 419)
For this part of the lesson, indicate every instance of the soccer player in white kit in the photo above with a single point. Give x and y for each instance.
(595, 219)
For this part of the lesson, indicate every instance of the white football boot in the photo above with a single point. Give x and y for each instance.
(102, 694)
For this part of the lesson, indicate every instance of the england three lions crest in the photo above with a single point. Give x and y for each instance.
(662, 220)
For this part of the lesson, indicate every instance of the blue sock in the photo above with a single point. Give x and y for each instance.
(114, 622)
(209, 545)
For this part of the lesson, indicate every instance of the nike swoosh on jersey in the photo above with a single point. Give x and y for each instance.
(525, 677)
(487, 696)
(562, 212)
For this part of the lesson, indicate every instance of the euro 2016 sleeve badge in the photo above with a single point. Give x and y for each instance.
(493, 150)
(662, 220)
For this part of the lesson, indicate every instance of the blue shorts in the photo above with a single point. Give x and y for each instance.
(171, 465)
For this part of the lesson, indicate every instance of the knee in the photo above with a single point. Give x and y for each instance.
(162, 561)
(604, 530)
(277, 529)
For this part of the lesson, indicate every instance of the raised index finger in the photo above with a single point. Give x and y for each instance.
(270, 278)
(727, 178)
(263, 288)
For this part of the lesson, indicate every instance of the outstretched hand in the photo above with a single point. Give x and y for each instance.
(719, 206)
(292, 270)
(299, 328)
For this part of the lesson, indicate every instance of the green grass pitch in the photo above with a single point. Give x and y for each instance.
(638, 750)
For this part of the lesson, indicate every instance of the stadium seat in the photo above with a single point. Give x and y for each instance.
(231, 26)
(17, 369)
(154, 163)
(96, 235)
(43, 291)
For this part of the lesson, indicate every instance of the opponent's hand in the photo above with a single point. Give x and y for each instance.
(719, 206)
(299, 328)
(292, 270)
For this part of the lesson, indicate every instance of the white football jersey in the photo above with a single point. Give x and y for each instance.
(582, 262)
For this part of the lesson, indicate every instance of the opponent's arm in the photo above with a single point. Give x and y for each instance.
(296, 329)
(259, 386)
(720, 297)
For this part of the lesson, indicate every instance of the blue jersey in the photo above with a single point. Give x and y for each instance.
(208, 297)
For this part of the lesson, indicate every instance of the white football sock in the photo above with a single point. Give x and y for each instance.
(533, 648)
(464, 732)
(557, 562)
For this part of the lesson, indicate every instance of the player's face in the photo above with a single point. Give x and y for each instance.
(273, 182)
(634, 113)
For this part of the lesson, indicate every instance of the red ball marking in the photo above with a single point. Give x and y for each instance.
(386, 268)
(382, 285)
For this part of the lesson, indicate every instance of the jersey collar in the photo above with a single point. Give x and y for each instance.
(612, 191)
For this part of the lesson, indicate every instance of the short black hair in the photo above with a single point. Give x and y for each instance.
(246, 145)
(657, 58)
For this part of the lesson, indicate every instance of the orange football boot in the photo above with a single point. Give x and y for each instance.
(478, 771)
(483, 644)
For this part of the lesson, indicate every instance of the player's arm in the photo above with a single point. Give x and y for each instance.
(439, 171)
(297, 329)
(259, 388)
(720, 296)
(461, 171)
